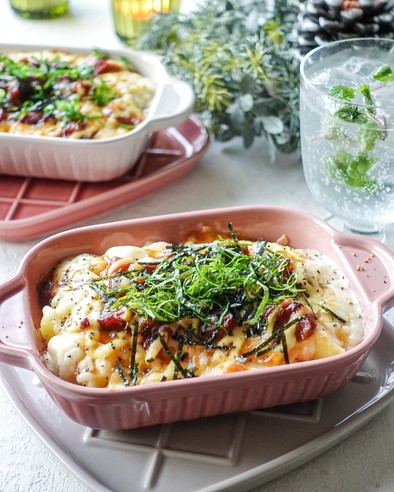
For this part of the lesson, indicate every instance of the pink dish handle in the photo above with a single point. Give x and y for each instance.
(14, 347)
(371, 266)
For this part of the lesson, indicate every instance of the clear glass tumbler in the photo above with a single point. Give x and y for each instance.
(39, 9)
(347, 131)
(132, 16)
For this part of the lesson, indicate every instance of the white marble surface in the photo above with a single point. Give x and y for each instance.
(226, 176)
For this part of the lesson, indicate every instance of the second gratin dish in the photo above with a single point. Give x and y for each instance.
(83, 115)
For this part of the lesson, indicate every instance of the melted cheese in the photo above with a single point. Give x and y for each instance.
(91, 344)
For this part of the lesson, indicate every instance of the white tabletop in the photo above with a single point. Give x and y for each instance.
(227, 175)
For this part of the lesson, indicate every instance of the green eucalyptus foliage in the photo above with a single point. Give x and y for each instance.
(236, 55)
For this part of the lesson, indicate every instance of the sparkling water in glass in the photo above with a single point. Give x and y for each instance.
(347, 130)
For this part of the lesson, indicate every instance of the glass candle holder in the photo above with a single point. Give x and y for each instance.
(132, 16)
(39, 9)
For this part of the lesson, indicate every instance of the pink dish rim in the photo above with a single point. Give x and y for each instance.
(122, 190)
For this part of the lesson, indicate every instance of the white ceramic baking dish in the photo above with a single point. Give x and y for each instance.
(104, 159)
(367, 264)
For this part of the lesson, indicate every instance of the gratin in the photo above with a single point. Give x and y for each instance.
(138, 315)
(55, 93)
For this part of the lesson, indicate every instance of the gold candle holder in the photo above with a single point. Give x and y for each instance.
(132, 16)
(39, 9)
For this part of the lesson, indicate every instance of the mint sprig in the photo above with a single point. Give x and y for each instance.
(352, 170)
(344, 167)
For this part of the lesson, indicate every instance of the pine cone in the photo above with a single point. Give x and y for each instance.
(322, 21)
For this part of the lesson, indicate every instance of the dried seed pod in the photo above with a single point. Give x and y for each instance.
(323, 21)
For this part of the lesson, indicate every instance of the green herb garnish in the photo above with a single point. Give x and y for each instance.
(19, 70)
(126, 126)
(46, 85)
(195, 288)
(102, 93)
(194, 282)
(68, 109)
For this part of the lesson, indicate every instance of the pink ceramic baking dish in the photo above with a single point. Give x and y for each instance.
(368, 265)
(103, 159)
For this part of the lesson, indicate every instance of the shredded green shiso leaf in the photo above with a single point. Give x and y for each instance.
(206, 282)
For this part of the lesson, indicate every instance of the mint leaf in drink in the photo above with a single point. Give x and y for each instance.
(351, 114)
(351, 170)
(344, 167)
(369, 134)
(384, 74)
(367, 96)
(342, 92)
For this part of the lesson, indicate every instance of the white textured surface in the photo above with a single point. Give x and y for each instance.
(27, 464)
(227, 175)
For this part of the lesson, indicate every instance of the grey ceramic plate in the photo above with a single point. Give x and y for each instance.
(188, 456)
